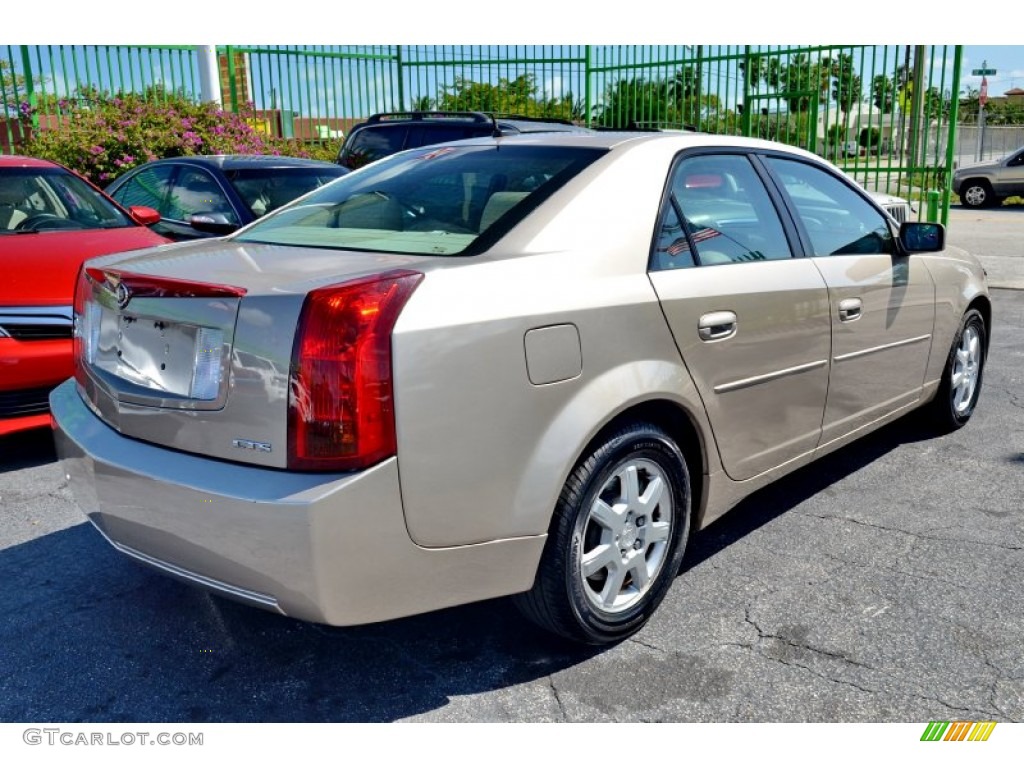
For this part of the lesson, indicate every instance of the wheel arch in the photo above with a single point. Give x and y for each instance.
(679, 423)
(983, 304)
(981, 181)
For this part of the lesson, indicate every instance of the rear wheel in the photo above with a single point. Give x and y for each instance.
(961, 378)
(617, 539)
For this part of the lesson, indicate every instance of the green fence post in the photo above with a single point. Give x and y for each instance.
(933, 205)
(954, 110)
(587, 96)
(401, 78)
(30, 91)
(745, 123)
(232, 85)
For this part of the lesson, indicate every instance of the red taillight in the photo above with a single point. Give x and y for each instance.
(340, 409)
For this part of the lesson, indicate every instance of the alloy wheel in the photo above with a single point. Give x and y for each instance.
(626, 536)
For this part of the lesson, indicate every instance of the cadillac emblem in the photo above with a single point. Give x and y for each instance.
(123, 295)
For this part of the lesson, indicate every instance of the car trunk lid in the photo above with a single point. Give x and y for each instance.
(191, 346)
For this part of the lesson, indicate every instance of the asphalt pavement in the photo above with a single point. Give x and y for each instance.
(881, 583)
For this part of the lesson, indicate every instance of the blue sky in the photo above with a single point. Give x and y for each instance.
(1007, 60)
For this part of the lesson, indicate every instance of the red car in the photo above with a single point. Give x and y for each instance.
(51, 220)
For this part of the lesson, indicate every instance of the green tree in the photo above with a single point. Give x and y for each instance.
(883, 93)
(870, 138)
(635, 103)
(799, 82)
(423, 104)
(673, 101)
(847, 88)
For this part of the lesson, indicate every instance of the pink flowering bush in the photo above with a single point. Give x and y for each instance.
(102, 135)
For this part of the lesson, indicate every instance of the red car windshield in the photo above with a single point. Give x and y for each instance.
(47, 199)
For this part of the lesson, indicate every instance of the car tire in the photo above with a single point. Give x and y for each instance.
(616, 540)
(961, 377)
(977, 193)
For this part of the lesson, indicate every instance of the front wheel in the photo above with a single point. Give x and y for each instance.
(977, 194)
(961, 378)
(617, 539)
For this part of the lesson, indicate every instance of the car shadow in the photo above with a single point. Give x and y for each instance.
(784, 494)
(90, 636)
(23, 450)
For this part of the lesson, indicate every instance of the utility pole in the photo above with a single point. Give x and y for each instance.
(209, 73)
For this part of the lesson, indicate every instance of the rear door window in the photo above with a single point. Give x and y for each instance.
(718, 212)
(373, 143)
(149, 187)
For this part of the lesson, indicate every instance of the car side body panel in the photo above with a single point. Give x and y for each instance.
(880, 354)
(763, 386)
(959, 281)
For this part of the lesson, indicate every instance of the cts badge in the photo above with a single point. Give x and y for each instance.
(251, 445)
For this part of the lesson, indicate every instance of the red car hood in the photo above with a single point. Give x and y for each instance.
(41, 268)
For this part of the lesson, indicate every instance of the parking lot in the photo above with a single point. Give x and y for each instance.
(878, 584)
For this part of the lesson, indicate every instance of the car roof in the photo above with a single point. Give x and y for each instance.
(536, 126)
(621, 139)
(237, 162)
(21, 161)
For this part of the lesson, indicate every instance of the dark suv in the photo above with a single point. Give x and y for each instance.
(389, 132)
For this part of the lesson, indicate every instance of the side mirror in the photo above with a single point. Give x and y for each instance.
(922, 237)
(143, 214)
(212, 223)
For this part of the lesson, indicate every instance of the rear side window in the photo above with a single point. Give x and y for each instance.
(370, 144)
(149, 187)
(439, 133)
(718, 212)
(443, 200)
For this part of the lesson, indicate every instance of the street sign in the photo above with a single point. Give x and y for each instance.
(983, 71)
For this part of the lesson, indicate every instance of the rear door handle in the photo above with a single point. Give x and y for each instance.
(716, 326)
(849, 310)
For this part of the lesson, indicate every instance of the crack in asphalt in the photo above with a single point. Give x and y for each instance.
(1015, 399)
(931, 579)
(992, 694)
(762, 635)
(905, 532)
(558, 698)
(646, 645)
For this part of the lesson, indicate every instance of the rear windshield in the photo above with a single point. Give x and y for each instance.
(267, 189)
(441, 200)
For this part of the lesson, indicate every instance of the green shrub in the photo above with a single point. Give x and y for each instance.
(870, 137)
(103, 135)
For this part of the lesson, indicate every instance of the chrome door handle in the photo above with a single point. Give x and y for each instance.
(849, 310)
(716, 326)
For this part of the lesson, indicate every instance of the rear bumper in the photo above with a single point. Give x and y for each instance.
(325, 548)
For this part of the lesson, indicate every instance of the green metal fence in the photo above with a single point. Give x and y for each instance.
(886, 114)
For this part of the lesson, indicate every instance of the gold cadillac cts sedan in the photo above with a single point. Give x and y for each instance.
(521, 366)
